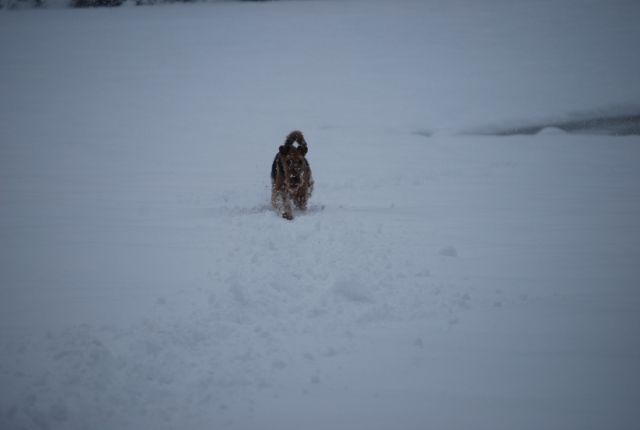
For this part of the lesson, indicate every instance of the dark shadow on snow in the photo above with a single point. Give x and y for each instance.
(235, 211)
(613, 125)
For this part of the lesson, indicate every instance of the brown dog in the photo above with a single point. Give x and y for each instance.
(291, 181)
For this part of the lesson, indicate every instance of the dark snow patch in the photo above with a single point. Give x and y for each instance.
(423, 133)
(449, 251)
(607, 124)
(352, 291)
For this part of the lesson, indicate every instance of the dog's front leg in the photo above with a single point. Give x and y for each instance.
(301, 199)
(287, 207)
(282, 203)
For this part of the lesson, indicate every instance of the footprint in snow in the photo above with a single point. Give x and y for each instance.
(449, 251)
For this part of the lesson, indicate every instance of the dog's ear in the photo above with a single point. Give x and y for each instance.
(284, 149)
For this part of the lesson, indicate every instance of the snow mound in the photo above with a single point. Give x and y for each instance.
(551, 131)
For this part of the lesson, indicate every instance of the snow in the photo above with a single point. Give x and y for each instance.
(443, 277)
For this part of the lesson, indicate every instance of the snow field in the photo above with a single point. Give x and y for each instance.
(371, 307)
(439, 280)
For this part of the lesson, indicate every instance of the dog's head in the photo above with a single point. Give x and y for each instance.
(294, 164)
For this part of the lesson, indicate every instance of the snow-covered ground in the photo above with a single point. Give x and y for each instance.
(443, 278)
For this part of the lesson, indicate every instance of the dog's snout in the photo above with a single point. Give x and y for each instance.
(295, 180)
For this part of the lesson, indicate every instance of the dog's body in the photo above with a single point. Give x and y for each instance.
(291, 181)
